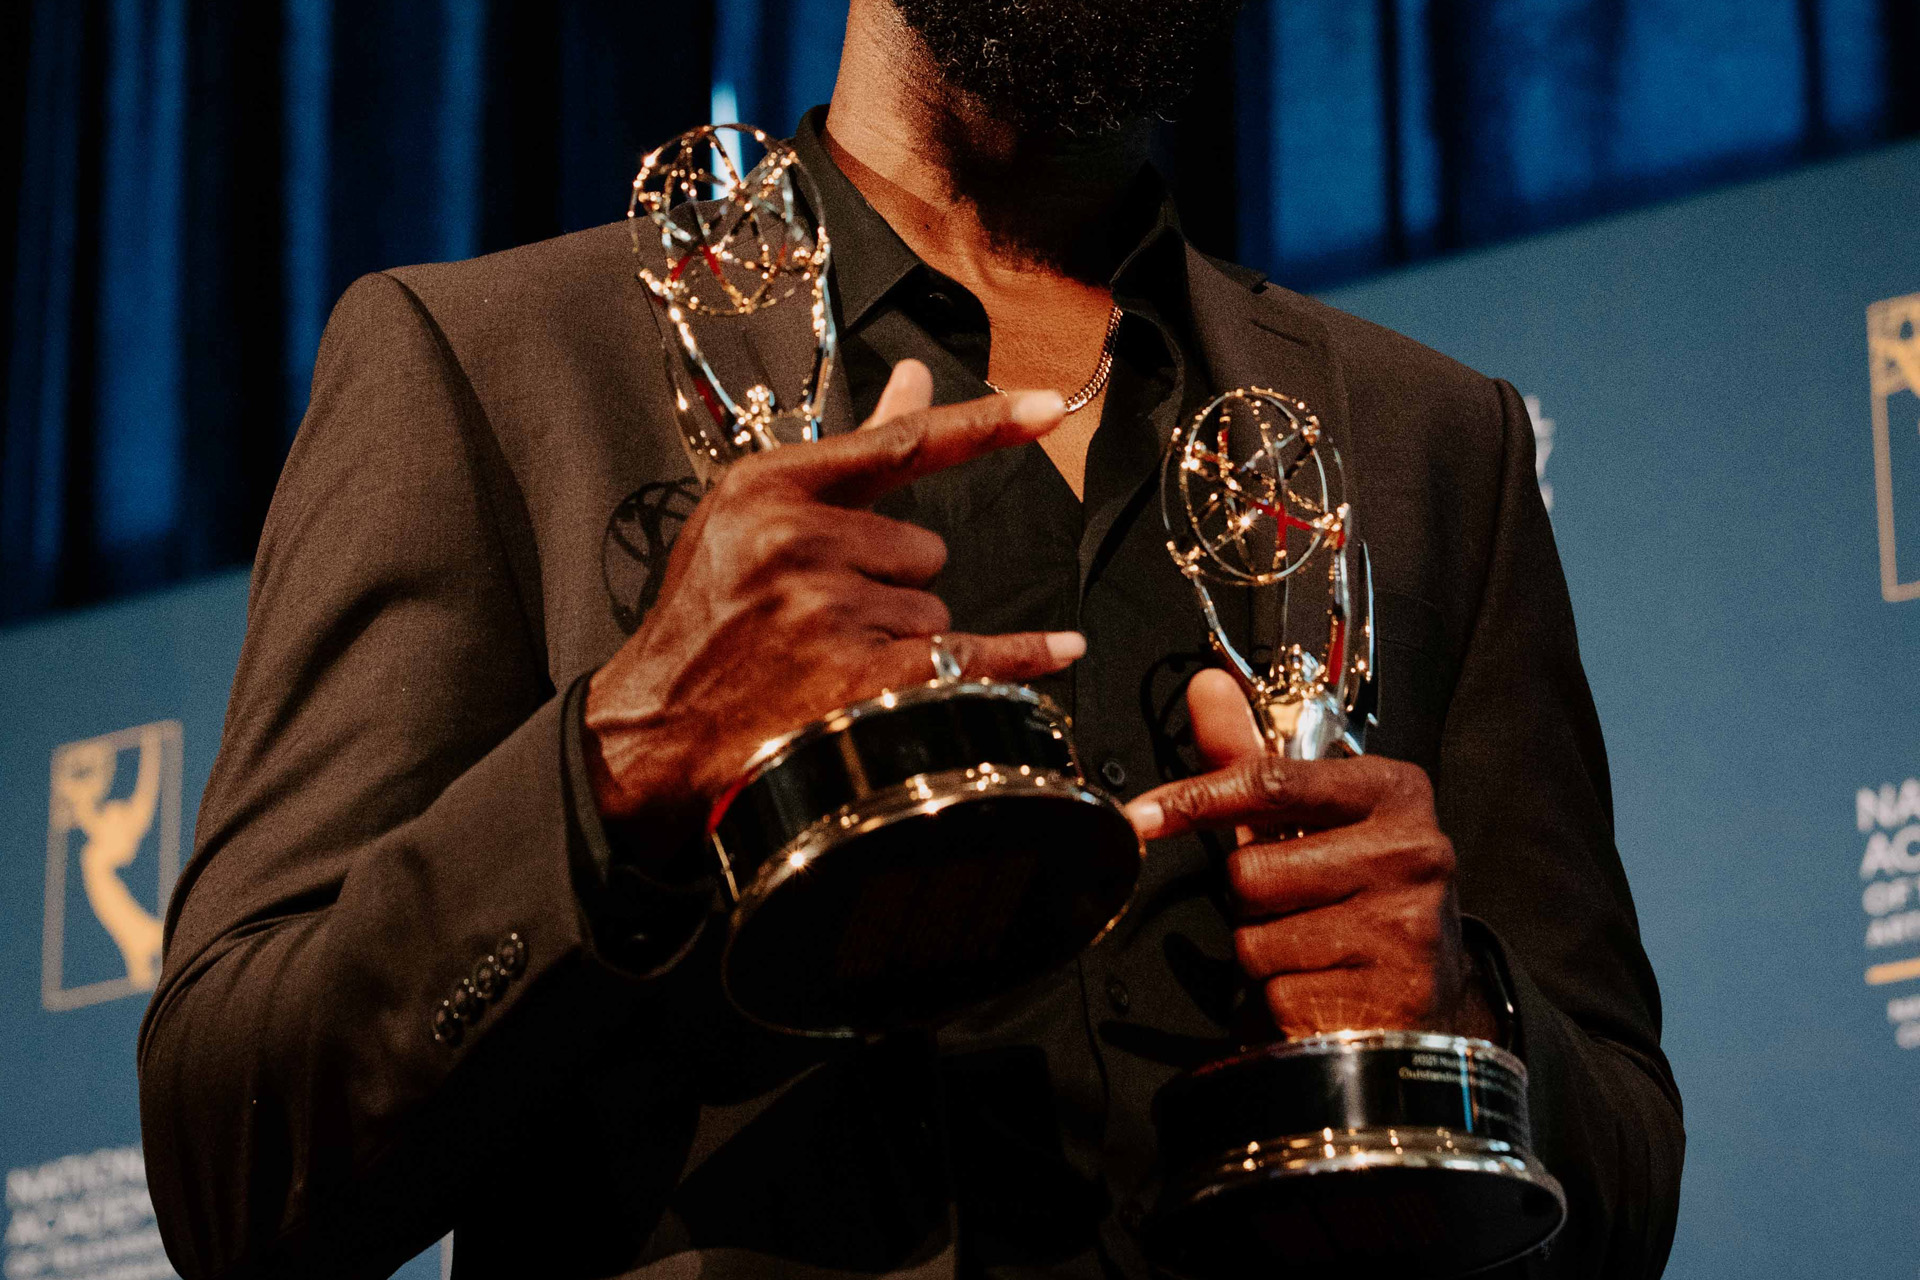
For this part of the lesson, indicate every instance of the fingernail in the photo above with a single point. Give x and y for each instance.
(1066, 646)
(1036, 408)
(1146, 817)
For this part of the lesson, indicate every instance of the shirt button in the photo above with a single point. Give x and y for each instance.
(1117, 995)
(511, 955)
(1115, 773)
(447, 1027)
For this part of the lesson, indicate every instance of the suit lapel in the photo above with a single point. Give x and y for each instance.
(1271, 339)
(1268, 339)
(836, 415)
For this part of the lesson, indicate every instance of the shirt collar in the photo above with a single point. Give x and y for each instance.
(870, 259)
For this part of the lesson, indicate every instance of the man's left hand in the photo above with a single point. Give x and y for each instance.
(1342, 879)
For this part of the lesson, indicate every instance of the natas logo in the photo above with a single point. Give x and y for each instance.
(1893, 346)
(113, 832)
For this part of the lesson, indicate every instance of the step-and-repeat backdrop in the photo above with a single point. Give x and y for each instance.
(1724, 399)
(1727, 427)
(108, 725)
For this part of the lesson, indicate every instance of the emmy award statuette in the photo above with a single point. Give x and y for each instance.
(901, 858)
(1390, 1153)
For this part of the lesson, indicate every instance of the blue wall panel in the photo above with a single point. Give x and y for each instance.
(141, 688)
(1705, 368)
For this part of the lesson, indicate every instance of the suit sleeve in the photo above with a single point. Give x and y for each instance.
(1524, 793)
(378, 961)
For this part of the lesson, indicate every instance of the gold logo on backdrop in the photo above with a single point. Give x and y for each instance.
(1893, 345)
(114, 817)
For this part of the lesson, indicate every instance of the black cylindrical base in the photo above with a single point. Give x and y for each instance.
(1383, 1153)
(912, 855)
(939, 897)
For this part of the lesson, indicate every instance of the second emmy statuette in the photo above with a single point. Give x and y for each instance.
(901, 858)
(1367, 1152)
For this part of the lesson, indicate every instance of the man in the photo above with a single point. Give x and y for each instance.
(446, 957)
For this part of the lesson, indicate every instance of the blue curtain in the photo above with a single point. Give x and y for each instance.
(194, 181)
(1380, 132)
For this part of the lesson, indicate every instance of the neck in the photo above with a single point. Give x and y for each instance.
(970, 195)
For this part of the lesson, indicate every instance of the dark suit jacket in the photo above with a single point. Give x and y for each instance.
(392, 802)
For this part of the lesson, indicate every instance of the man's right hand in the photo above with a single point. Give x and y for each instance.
(785, 597)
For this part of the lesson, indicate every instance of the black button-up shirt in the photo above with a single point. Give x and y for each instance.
(1047, 1096)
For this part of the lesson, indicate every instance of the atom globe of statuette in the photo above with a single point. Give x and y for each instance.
(723, 232)
(1253, 493)
(732, 239)
(1250, 483)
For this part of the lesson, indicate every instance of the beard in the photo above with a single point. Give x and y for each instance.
(1075, 67)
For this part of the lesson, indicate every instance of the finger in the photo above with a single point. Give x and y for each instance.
(855, 469)
(1387, 958)
(814, 537)
(910, 388)
(1223, 726)
(1304, 1004)
(1268, 879)
(1330, 938)
(1270, 791)
(1024, 655)
(1021, 655)
(897, 611)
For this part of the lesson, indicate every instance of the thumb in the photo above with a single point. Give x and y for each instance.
(909, 388)
(1224, 729)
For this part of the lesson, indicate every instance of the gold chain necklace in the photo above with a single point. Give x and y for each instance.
(1101, 372)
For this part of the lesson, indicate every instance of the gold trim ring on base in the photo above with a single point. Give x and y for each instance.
(1390, 1153)
(917, 901)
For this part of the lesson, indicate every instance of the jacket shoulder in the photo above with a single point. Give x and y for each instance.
(527, 298)
(1367, 352)
(559, 268)
(1415, 396)
(546, 337)
(1371, 353)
